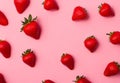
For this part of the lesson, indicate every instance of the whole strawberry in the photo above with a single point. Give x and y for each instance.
(81, 79)
(31, 27)
(2, 79)
(105, 10)
(21, 5)
(91, 43)
(112, 68)
(50, 5)
(79, 13)
(3, 19)
(5, 48)
(29, 58)
(48, 81)
(114, 37)
(68, 61)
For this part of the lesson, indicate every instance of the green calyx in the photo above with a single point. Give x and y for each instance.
(27, 20)
(43, 82)
(117, 64)
(78, 78)
(27, 52)
(91, 37)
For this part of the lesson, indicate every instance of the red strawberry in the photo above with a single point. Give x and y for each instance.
(112, 69)
(105, 10)
(48, 81)
(114, 37)
(31, 27)
(3, 19)
(50, 5)
(81, 79)
(29, 58)
(21, 5)
(91, 43)
(5, 48)
(2, 79)
(68, 61)
(79, 13)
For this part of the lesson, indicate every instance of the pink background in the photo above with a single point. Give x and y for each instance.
(60, 35)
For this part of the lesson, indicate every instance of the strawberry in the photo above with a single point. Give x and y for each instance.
(112, 69)
(3, 19)
(105, 10)
(31, 27)
(5, 48)
(81, 79)
(114, 37)
(50, 5)
(2, 79)
(68, 61)
(21, 5)
(91, 43)
(29, 57)
(79, 13)
(48, 81)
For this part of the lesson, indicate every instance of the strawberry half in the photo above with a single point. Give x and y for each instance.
(21, 5)
(29, 57)
(3, 19)
(50, 5)
(31, 27)
(68, 61)
(81, 79)
(48, 81)
(5, 48)
(112, 68)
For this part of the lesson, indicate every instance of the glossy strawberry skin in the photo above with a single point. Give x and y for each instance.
(68, 61)
(3, 19)
(48, 81)
(29, 58)
(5, 48)
(81, 79)
(50, 5)
(105, 10)
(2, 79)
(21, 5)
(114, 37)
(32, 29)
(91, 43)
(79, 13)
(112, 69)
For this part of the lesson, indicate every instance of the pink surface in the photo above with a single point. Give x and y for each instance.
(60, 35)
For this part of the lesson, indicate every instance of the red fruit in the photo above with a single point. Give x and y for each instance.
(48, 81)
(21, 5)
(3, 19)
(112, 69)
(114, 37)
(50, 5)
(2, 79)
(105, 10)
(91, 43)
(5, 48)
(81, 79)
(31, 27)
(29, 58)
(79, 13)
(68, 61)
